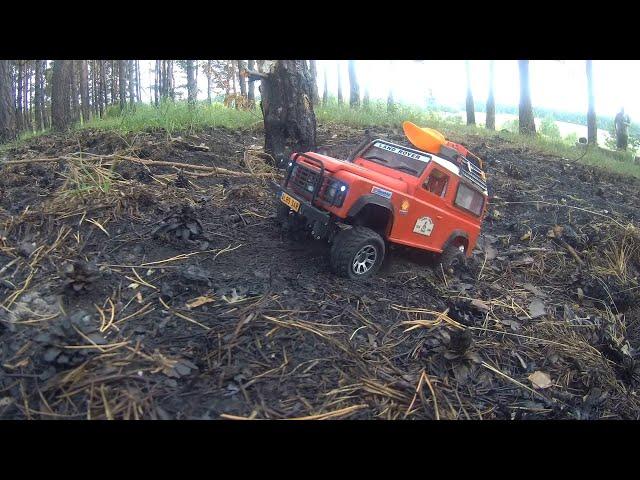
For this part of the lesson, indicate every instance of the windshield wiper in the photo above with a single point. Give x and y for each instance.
(373, 157)
(407, 168)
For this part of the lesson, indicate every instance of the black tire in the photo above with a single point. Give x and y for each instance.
(452, 257)
(357, 243)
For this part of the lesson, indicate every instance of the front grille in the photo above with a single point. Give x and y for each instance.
(304, 181)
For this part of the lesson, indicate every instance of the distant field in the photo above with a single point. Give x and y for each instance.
(566, 128)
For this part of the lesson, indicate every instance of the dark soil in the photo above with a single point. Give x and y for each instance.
(172, 293)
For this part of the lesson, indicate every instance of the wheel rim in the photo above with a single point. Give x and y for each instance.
(364, 260)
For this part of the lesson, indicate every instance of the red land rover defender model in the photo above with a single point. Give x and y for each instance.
(431, 198)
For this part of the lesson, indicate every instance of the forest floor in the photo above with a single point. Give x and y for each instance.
(144, 291)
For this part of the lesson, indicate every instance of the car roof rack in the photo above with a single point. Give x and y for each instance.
(470, 168)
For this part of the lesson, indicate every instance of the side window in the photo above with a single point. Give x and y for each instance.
(469, 199)
(437, 183)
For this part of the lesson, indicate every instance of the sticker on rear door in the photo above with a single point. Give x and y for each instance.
(382, 192)
(424, 226)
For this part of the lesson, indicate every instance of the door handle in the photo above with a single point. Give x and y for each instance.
(439, 217)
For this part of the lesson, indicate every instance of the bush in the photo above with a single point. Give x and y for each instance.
(549, 129)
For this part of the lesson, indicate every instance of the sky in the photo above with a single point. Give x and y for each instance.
(560, 85)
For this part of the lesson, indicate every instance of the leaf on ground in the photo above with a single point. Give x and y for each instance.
(537, 308)
(491, 252)
(480, 305)
(540, 380)
(196, 302)
(533, 289)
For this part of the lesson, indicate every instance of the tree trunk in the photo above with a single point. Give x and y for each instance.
(172, 90)
(209, 66)
(103, 87)
(471, 113)
(122, 83)
(289, 119)
(114, 88)
(391, 106)
(138, 87)
(354, 97)
(340, 99)
(75, 103)
(325, 94)
(314, 78)
(25, 101)
(84, 91)
(61, 94)
(592, 127)
(7, 111)
(241, 78)
(490, 121)
(525, 110)
(251, 93)
(37, 98)
(18, 107)
(132, 90)
(366, 101)
(192, 89)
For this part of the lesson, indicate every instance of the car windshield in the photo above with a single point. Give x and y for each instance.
(399, 158)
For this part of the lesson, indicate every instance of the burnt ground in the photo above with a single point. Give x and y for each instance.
(143, 291)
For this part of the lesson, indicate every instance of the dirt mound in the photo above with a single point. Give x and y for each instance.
(185, 299)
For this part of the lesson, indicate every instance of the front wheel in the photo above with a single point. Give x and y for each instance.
(357, 253)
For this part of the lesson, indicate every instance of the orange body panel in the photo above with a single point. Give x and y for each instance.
(409, 199)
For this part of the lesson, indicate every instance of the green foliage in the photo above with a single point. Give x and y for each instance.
(549, 129)
(571, 138)
(375, 114)
(512, 126)
(174, 117)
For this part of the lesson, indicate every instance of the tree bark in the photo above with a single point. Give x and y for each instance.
(314, 78)
(289, 119)
(84, 91)
(132, 90)
(251, 93)
(241, 79)
(325, 94)
(592, 127)
(37, 97)
(18, 107)
(471, 113)
(61, 94)
(340, 99)
(103, 87)
(490, 121)
(192, 89)
(366, 101)
(7, 110)
(525, 110)
(122, 83)
(209, 66)
(75, 103)
(354, 97)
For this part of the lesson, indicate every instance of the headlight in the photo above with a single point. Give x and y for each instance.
(335, 193)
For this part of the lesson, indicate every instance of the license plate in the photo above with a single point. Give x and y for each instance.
(290, 201)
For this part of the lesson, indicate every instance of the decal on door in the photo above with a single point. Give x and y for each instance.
(404, 208)
(424, 226)
(382, 192)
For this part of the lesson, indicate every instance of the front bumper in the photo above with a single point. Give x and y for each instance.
(311, 213)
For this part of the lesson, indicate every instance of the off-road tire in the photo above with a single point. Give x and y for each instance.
(452, 257)
(348, 244)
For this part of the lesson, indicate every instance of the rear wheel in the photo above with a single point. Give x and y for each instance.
(357, 253)
(452, 257)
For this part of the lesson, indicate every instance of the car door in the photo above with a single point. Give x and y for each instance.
(423, 223)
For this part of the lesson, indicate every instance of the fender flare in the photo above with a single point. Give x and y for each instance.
(371, 199)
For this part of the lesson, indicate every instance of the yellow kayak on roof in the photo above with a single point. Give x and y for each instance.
(426, 139)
